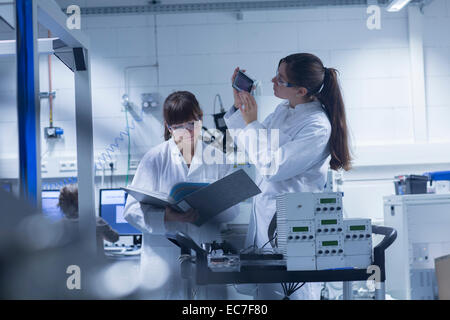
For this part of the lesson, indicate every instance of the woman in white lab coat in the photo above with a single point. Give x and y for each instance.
(312, 136)
(179, 159)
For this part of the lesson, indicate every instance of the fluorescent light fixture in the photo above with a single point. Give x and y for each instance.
(8, 47)
(397, 5)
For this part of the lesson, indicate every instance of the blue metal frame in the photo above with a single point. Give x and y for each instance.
(26, 103)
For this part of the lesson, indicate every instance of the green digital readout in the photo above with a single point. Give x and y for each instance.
(357, 228)
(329, 200)
(325, 222)
(300, 229)
(330, 243)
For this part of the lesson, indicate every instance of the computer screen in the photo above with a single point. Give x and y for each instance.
(6, 186)
(50, 199)
(112, 206)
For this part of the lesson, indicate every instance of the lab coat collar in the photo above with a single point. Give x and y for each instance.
(303, 106)
(197, 158)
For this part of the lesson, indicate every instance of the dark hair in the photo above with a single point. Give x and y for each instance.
(179, 107)
(68, 201)
(307, 71)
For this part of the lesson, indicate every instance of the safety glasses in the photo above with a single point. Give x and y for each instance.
(283, 83)
(187, 125)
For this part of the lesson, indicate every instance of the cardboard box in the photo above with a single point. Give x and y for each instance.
(442, 265)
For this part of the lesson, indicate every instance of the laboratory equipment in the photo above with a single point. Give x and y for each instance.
(53, 132)
(305, 205)
(410, 184)
(440, 180)
(313, 235)
(112, 206)
(358, 243)
(423, 224)
(330, 251)
(194, 267)
(242, 82)
(149, 101)
(296, 240)
(305, 221)
(438, 176)
(50, 209)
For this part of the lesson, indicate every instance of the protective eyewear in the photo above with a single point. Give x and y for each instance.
(283, 83)
(188, 126)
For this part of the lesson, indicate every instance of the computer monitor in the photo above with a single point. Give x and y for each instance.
(112, 206)
(6, 186)
(50, 199)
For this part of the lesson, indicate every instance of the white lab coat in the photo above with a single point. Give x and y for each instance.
(161, 168)
(299, 164)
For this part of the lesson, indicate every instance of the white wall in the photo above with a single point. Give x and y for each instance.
(437, 69)
(198, 52)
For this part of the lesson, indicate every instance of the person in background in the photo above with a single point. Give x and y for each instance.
(313, 136)
(68, 202)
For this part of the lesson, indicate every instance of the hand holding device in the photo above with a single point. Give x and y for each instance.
(242, 82)
(236, 90)
(250, 111)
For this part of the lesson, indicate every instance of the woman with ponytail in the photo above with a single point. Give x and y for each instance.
(312, 136)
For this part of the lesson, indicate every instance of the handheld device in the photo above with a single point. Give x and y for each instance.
(243, 82)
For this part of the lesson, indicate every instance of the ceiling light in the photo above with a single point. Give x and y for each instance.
(397, 5)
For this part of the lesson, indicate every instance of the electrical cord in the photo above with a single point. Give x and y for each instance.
(111, 165)
(129, 146)
(291, 288)
(275, 235)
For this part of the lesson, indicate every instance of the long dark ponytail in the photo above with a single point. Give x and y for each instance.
(307, 71)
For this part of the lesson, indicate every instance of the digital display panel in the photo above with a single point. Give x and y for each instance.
(300, 229)
(326, 222)
(328, 200)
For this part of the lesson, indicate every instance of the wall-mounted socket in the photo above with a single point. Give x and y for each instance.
(68, 166)
(134, 164)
